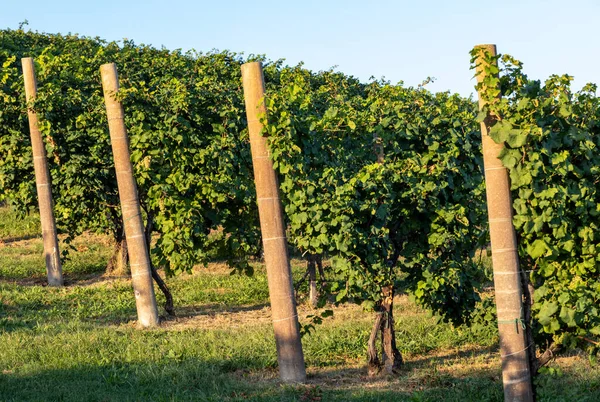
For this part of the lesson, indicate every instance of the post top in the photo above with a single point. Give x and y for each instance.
(252, 65)
(107, 65)
(489, 46)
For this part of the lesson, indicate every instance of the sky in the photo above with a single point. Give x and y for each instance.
(397, 40)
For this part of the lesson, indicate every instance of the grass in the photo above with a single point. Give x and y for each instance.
(13, 226)
(80, 342)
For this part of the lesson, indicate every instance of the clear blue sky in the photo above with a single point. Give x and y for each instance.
(398, 40)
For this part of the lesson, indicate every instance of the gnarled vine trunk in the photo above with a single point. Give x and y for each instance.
(162, 285)
(535, 363)
(373, 361)
(118, 262)
(313, 262)
(391, 358)
(313, 294)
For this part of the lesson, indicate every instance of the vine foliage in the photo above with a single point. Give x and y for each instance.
(551, 138)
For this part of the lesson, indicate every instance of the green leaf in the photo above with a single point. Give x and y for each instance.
(537, 248)
(567, 315)
(545, 314)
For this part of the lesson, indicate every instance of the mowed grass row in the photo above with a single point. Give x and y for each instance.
(80, 342)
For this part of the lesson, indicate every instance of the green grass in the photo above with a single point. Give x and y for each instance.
(80, 342)
(22, 250)
(13, 226)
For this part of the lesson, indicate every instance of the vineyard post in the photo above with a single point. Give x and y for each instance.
(141, 275)
(279, 275)
(42, 181)
(516, 374)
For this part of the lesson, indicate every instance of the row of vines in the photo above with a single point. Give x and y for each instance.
(385, 182)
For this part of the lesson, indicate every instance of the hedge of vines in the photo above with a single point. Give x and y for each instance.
(188, 142)
(381, 178)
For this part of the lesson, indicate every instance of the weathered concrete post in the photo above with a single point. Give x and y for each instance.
(281, 290)
(514, 350)
(42, 181)
(141, 275)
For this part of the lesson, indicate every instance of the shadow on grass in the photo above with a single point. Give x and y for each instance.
(471, 352)
(211, 309)
(119, 381)
(174, 377)
(14, 239)
(101, 309)
(221, 380)
(81, 275)
(34, 314)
